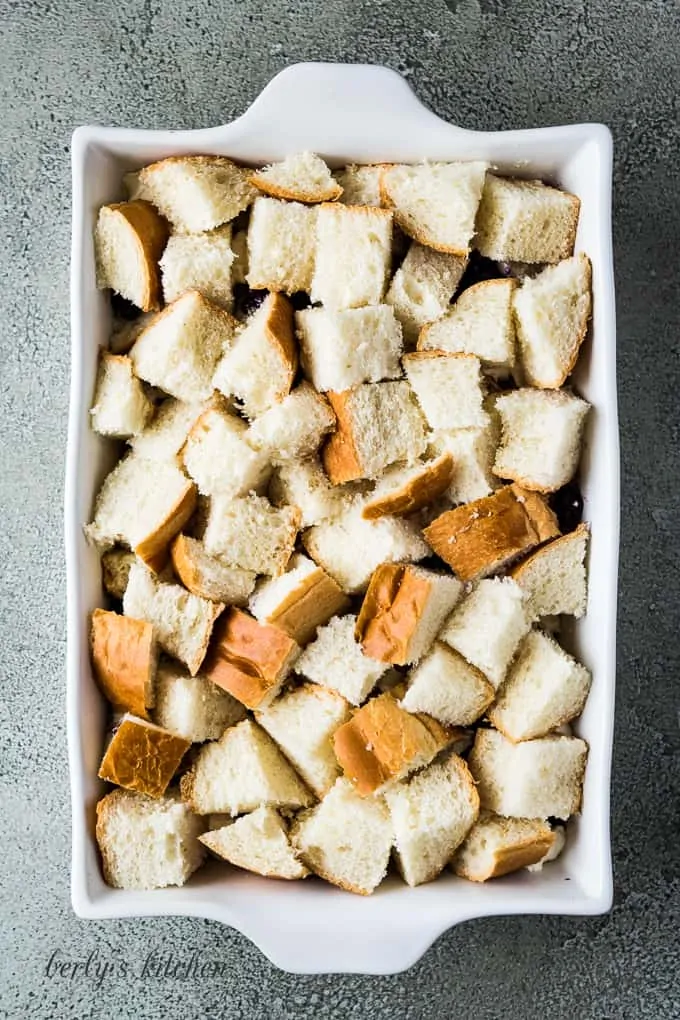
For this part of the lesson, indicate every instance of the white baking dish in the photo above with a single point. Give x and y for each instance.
(362, 114)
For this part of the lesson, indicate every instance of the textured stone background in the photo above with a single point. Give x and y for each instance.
(484, 64)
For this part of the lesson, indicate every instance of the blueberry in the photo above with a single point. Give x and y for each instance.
(479, 269)
(300, 300)
(567, 503)
(247, 301)
(124, 309)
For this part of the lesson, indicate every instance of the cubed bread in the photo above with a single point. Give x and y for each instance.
(353, 254)
(360, 184)
(281, 246)
(116, 565)
(346, 839)
(448, 388)
(220, 458)
(251, 534)
(403, 610)
(480, 322)
(294, 428)
(377, 425)
(166, 433)
(472, 452)
(207, 576)
(343, 347)
(147, 843)
(197, 193)
(498, 846)
(484, 536)
(423, 286)
(552, 311)
(382, 742)
(544, 689)
(300, 177)
(257, 842)
(193, 706)
(336, 660)
(124, 659)
(121, 408)
(142, 504)
(302, 722)
(260, 366)
(525, 221)
(299, 601)
(249, 659)
(445, 686)
(541, 437)
(240, 772)
(179, 351)
(182, 622)
(129, 238)
(540, 778)
(349, 548)
(142, 757)
(305, 485)
(431, 815)
(403, 491)
(488, 626)
(199, 262)
(435, 203)
(553, 578)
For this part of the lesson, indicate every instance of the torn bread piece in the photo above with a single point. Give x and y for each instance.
(485, 536)
(302, 722)
(281, 246)
(250, 533)
(305, 485)
(301, 177)
(341, 348)
(199, 262)
(124, 659)
(377, 425)
(207, 576)
(353, 255)
(360, 184)
(299, 601)
(423, 286)
(220, 458)
(259, 369)
(448, 387)
(472, 452)
(525, 221)
(345, 839)
(182, 622)
(295, 427)
(121, 408)
(432, 813)
(480, 322)
(179, 351)
(545, 688)
(116, 565)
(488, 626)
(553, 578)
(403, 610)
(240, 772)
(249, 659)
(193, 706)
(498, 846)
(552, 311)
(257, 842)
(382, 742)
(540, 778)
(129, 238)
(197, 193)
(541, 437)
(435, 203)
(447, 687)
(336, 660)
(142, 757)
(403, 491)
(147, 843)
(166, 433)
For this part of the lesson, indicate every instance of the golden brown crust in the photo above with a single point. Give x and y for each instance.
(582, 531)
(268, 187)
(212, 844)
(153, 550)
(315, 600)
(339, 455)
(412, 231)
(142, 757)
(516, 855)
(280, 333)
(415, 494)
(124, 659)
(481, 537)
(248, 659)
(150, 231)
(391, 612)
(192, 573)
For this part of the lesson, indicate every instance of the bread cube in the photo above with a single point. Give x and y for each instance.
(540, 778)
(304, 484)
(301, 177)
(121, 408)
(281, 246)
(219, 457)
(336, 660)
(431, 814)
(295, 427)
(240, 772)
(299, 601)
(480, 323)
(488, 626)
(360, 185)
(124, 659)
(553, 578)
(116, 565)
(472, 452)
(422, 287)
(129, 238)
(199, 262)
(197, 193)
(541, 440)
(448, 388)
(497, 846)
(257, 842)
(142, 757)
(353, 254)
(377, 424)
(445, 686)
(193, 706)
(251, 534)
(341, 348)
(147, 843)
(525, 221)
(207, 576)
(166, 433)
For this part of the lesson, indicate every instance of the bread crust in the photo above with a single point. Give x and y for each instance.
(142, 758)
(331, 194)
(415, 494)
(417, 235)
(190, 572)
(391, 611)
(153, 550)
(581, 531)
(339, 455)
(150, 232)
(516, 855)
(280, 333)
(315, 600)
(124, 657)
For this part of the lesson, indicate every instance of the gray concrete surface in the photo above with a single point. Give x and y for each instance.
(485, 64)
